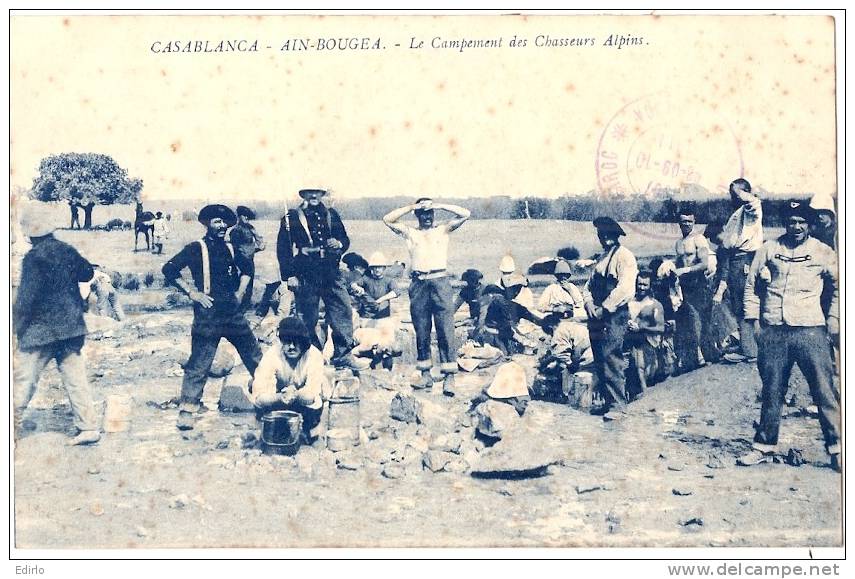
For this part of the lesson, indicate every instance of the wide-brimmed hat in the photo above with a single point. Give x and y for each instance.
(377, 259)
(799, 209)
(562, 267)
(293, 328)
(303, 192)
(353, 259)
(34, 223)
(510, 381)
(243, 210)
(209, 212)
(823, 202)
(608, 225)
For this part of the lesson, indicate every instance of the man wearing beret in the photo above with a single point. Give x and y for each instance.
(217, 290)
(607, 295)
(246, 242)
(47, 319)
(791, 328)
(311, 242)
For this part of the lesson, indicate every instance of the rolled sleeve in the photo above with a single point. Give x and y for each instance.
(264, 380)
(626, 270)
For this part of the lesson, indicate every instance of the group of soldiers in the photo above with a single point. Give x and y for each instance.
(782, 298)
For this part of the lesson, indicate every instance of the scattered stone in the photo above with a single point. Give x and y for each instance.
(142, 532)
(348, 461)
(693, 521)
(393, 470)
(93, 470)
(457, 466)
(709, 476)
(224, 363)
(583, 489)
(447, 443)
(234, 398)
(715, 462)
(612, 522)
(404, 408)
(681, 492)
(96, 509)
(794, 489)
(434, 416)
(248, 440)
(222, 445)
(494, 418)
(436, 460)
(675, 468)
(179, 501)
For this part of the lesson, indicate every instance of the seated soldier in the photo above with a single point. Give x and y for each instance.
(563, 294)
(376, 336)
(471, 293)
(291, 376)
(356, 269)
(501, 315)
(644, 337)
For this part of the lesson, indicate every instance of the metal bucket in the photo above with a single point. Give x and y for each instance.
(280, 432)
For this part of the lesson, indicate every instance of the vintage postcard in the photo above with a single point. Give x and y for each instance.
(463, 280)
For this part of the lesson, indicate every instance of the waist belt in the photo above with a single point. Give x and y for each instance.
(432, 274)
(319, 252)
(740, 253)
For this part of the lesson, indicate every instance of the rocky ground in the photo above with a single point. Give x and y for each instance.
(664, 475)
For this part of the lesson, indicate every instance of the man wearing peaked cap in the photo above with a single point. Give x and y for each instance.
(609, 289)
(217, 290)
(311, 242)
(792, 328)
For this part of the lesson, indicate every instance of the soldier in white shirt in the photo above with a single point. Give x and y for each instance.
(741, 237)
(431, 294)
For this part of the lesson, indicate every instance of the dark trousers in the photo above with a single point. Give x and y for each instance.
(432, 304)
(779, 348)
(737, 274)
(336, 305)
(607, 337)
(687, 342)
(203, 349)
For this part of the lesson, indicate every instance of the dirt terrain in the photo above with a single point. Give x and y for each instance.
(665, 475)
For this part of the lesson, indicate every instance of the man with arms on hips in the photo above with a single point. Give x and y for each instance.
(792, 329)
(431, 294)
(217, 290)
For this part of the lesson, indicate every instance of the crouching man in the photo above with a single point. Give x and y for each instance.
(792, 329)
(291, 376)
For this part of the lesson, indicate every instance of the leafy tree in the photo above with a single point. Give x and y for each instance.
(87, 179)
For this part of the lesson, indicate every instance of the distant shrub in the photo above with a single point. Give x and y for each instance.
(188, 215)
(115, 224)
(116, 279)
(148, 279)
(131, 282)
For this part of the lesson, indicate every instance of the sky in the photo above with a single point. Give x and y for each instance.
(690, 103)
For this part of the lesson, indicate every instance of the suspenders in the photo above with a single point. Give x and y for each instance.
(206, 265)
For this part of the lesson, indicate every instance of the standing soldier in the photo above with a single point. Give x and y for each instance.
(217, 290)
(431, 295)
(48, 322)
(311, 242)
(246, 242)
(741, 237)
(792, 329)
(693, 255)
(607, 293)
(159, 233)
(74, 205)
